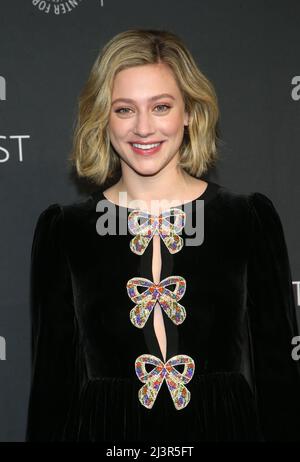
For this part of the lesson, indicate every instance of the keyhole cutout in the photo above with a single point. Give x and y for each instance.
(158, 320)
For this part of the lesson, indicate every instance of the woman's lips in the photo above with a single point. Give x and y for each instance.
(146, 152)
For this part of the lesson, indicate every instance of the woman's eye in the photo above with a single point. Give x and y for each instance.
(162, 107)
(127, 110)
(123, 110)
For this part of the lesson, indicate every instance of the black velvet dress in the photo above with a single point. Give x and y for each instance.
(99, 375)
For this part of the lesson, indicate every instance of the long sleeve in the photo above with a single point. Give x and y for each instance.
(54, 337)
(273, 323)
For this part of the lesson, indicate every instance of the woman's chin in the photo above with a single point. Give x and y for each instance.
(146, 167)
(147, 170)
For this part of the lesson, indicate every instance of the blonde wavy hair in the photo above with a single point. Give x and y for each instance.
(92, 153)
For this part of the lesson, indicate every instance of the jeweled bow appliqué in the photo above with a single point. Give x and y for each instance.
(156, 225)
(164, 371)
(146, 300)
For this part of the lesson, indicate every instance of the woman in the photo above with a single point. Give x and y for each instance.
(117, 357)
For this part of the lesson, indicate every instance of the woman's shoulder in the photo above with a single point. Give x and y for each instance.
(252, 210)
(220, 196)
(49, 216)
(56, 217)
(228, 193)
(255, 211)
(76, 207)
(252, 200)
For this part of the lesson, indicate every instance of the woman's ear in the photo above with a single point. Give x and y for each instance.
(186, 118)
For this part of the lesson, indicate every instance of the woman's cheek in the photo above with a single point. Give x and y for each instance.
(173, 124)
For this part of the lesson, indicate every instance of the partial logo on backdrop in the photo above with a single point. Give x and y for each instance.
(16, 147)
(58, 7)
(15, 150)
(2, 349)
(297, 286)
(2, 88)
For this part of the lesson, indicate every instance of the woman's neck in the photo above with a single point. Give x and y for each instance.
(177, 188)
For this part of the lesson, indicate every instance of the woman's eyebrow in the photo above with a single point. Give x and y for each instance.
(153, 98)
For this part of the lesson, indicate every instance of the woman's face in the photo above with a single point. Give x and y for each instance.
(147, 117)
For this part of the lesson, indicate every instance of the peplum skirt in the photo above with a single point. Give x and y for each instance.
(222, 408)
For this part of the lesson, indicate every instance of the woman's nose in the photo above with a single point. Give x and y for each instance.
(144, 125)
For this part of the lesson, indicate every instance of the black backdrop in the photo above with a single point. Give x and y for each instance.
(248, 48)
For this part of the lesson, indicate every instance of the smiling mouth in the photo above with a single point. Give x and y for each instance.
(146, 147)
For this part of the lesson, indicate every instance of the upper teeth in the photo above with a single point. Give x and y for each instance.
(145, 146)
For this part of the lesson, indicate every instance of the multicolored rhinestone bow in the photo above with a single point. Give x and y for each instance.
(146, 300)
(156, 225)
(175, 380)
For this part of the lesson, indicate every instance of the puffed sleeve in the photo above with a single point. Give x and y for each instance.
(273, 323)
(53, 371)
